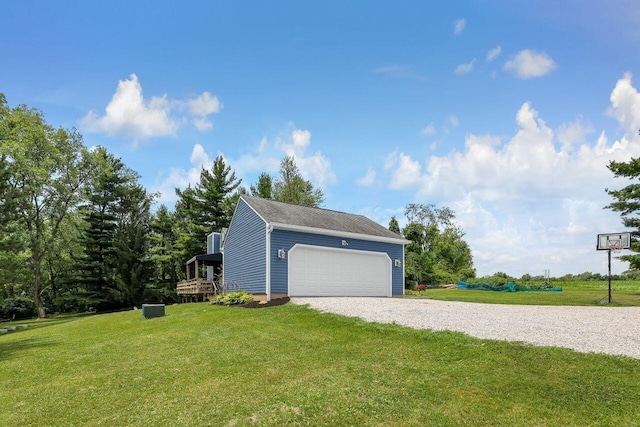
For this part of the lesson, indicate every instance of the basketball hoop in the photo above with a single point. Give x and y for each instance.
(616, 247)
(613, 242)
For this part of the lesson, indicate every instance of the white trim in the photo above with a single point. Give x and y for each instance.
(341, 250)
(268, 265)
(346, 234)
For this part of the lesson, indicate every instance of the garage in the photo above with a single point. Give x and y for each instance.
(325, 271)
(275, 250)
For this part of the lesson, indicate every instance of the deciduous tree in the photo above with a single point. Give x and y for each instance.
(264, 187)
(393, 225)
(291, 187)
(49, 173)
(437, 252)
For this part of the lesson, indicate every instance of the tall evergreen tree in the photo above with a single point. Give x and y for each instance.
(114, 266)
(103, 195)
(163, 241)
(163, 255)
(133, 268)
(205, 208)
(190, 235)
(214, 188)
(627, 203)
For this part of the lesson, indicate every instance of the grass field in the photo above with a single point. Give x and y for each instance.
(289, 365)
(624, 293)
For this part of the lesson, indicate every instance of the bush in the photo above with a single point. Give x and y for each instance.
(20, 307)
(232, 298)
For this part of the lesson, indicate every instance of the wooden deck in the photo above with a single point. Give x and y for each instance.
(198, 288)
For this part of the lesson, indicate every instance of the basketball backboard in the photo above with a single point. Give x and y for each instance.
(614, 241)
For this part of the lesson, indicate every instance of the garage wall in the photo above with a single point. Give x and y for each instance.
(245, 263)
(283, 239)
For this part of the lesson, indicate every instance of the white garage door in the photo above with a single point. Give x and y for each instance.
(320, 271)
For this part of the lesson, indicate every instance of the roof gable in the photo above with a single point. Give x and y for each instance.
(309, 219)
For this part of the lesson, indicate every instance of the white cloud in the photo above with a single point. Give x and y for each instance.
(130, 115)
(535, 200)
(201, 107)
(199, 158)
(202, 124)
(527, 64)
(181, 178)
(625, 104)
(406, 173)
(429, 130)
(265, 157)
(368, 179)
(494, 53)
(453, 120)
(574, 133)
(315, 167)
(459, 26)
(204, 104)
(465, 68)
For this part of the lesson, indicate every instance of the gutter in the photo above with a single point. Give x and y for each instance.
(335, 233)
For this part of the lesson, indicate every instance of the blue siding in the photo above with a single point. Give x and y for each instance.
(282, 239)
(245, 251)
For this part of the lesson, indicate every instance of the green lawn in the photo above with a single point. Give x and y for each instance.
(290, 365)
(624, 293)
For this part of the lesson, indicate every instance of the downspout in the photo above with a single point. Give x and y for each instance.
(403, 272)
(268, 269)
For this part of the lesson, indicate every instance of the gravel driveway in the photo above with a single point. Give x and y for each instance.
(610, 330)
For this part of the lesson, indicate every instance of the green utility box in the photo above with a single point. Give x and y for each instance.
(152, 310)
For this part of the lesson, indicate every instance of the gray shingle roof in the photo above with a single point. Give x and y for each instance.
(324, 219)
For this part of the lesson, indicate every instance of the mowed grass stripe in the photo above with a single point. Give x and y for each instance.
(207, 365)
(574, 293)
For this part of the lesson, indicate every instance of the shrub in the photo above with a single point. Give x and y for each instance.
(232, 298)
(20, 307)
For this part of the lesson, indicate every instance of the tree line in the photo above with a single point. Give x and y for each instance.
(77, 229)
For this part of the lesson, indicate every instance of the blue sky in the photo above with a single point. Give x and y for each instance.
(507, 112)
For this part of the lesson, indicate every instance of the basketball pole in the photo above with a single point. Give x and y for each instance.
(609, 251)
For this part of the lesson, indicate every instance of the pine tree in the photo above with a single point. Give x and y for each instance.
(162, 242)
(214, 188)
(205, 208)
(133, 268)
(628, 205)
(115, 265)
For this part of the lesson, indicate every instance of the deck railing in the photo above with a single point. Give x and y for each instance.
(197, 286)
